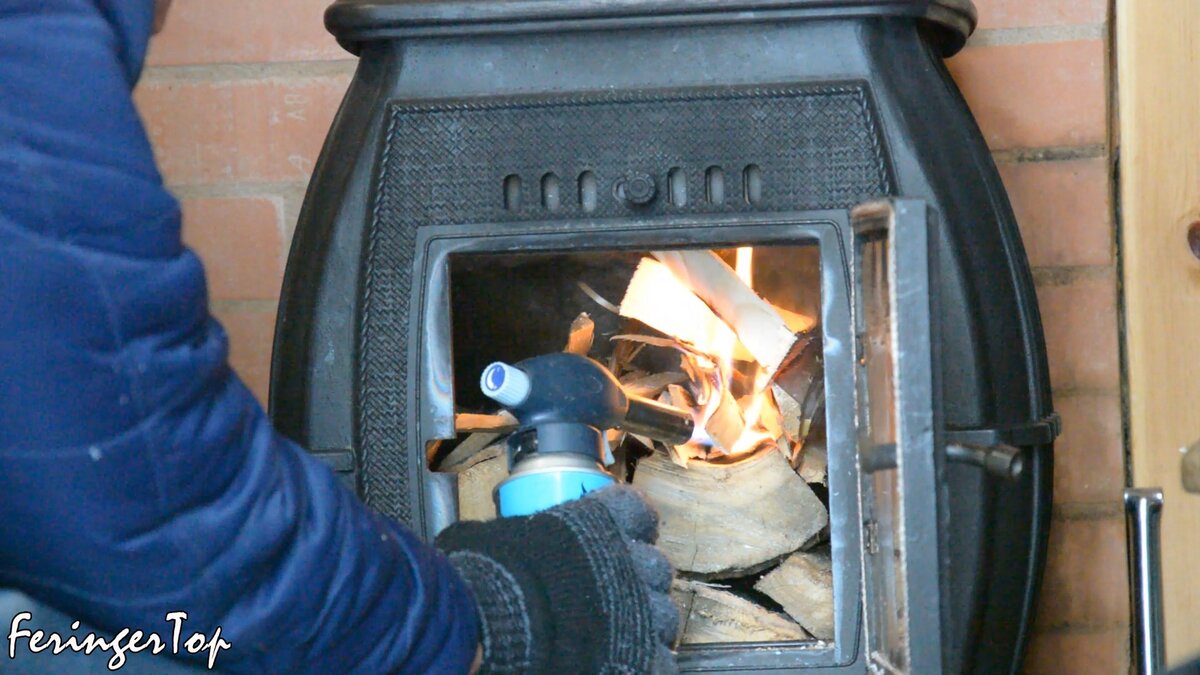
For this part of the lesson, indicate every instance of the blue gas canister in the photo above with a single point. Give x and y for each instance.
(564, 404)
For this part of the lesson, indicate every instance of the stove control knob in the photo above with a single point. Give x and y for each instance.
(637, 188)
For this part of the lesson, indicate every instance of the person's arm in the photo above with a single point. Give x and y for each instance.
(138, 476)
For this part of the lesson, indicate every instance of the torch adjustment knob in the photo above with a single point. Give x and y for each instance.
(507, 385)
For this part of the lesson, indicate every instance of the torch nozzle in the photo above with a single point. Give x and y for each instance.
(566, 388)
(658, 421)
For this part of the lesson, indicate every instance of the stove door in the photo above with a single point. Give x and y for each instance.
(899, 451)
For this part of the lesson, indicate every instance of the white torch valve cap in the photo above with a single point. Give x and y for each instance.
(507, 385)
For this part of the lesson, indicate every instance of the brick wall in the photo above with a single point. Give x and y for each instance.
(239, 94)
(1036, 77)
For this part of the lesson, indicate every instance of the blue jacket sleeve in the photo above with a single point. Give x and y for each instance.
(138, 476)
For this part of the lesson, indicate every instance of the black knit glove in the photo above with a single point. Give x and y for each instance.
(576, 589)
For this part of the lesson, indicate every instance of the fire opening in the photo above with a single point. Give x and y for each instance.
(730, 334)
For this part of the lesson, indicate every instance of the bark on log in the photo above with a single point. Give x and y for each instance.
(710, 614)
(732, 519)
(803, 585)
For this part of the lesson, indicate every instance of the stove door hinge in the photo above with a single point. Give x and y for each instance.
(871, 536)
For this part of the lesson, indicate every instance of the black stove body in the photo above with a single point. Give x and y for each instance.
(461, 113)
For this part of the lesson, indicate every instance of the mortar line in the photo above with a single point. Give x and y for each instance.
(255, 305)
(1055, 153)
(241, 72)
(233, 190)
(1082, 392)
(1002, 37)
(1075, 628)
(1049, 277)
(1088, 511)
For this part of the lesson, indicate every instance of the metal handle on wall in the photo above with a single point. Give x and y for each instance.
(1143, 511)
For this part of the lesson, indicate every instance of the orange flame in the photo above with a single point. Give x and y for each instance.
(730, 396)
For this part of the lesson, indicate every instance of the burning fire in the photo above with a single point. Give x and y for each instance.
(731, 343)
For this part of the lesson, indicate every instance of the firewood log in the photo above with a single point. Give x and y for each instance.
(477, 481)
(657, 298)
(728, 520)
(460, 457)
(711, 614)
(756, 322)
(803, 585)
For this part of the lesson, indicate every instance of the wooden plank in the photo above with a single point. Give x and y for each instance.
(1158, 70)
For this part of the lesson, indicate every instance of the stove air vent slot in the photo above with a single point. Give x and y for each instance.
(512, 193)
(752, 184)
(551, 199)
(677, 193)
(715, 189)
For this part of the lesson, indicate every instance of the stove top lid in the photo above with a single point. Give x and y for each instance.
(357, 21)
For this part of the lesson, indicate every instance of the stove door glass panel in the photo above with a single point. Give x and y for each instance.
(896, 448)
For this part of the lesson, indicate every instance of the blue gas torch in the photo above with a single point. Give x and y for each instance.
(565, 403)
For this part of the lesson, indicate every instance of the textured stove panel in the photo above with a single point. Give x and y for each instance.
(526, 159)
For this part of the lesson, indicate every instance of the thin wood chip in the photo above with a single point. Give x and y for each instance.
(583, 333)
(502, 422)
(650, 386)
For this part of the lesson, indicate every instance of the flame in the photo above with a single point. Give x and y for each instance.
(729, 392)
(753, 434)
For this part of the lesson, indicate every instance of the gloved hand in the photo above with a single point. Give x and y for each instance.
(579, 588)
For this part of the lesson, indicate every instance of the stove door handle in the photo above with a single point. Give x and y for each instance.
(1002, 461)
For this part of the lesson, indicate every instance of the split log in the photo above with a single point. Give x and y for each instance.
(803, 585)
(790, 411)
(813, 463)
(725, 520)
(795, 321)
(757, 324)
(659, 299)
(477, 482)
(467, 423)
(711, 614)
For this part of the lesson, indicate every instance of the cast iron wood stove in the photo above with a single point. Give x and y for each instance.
(490, 155)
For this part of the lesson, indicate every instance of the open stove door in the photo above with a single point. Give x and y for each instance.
(901, 458)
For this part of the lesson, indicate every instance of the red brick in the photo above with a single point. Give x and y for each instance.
(244, 31)
(1064, 210)
(251, 336)
(241, 243)
(1029, 13)
(1089, 460)
(228, 132)
(1100, 652)
(1080, 321)
(1036, 95)
(1086, 583)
